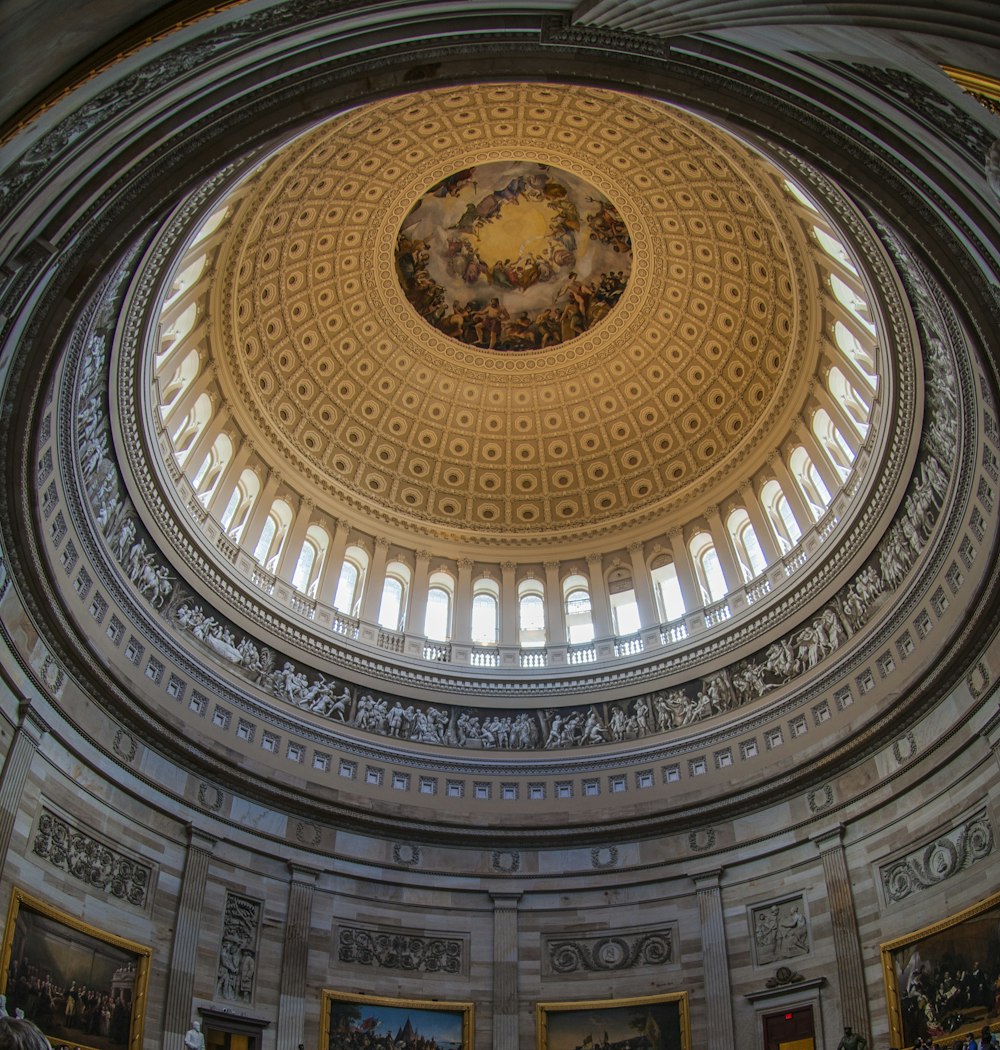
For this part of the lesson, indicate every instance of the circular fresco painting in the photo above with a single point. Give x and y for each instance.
(513, 256)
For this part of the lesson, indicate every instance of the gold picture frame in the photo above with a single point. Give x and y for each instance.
(109, 974)
(925, 993)
(348, 1014)
(661, 1021)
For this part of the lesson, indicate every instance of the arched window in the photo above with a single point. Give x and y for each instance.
(799, 194)
(272, 537)
(853, 301)
(241, 502)
(181, 379)
(853, 348)
(751, 557)
(624, 607)
(707, 568)
(440, 599)
(855, 405)
(485, 612)
(811, 485)
(531, 612)
(779, 515)
(191, 426)
(395, 592)
(191, 271)
(173, 333)
(836, 448)
(310, 564)
(579, 621)
(834, 249)
(667, 588)
(211, 224)
(212, 467)
(350, 584)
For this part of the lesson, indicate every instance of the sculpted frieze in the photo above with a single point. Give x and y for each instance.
(624, 951)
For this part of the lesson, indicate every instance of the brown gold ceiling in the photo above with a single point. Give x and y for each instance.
(681, 384)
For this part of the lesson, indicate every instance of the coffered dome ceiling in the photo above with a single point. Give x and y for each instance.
(649, 278)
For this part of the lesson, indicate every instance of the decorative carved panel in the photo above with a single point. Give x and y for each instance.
(238, 953)
(88, 859)
(399, 950)
(958, 849)
(620, 951)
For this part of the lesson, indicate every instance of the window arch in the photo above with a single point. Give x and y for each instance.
(579, 615)
(211, 224)
(183, 376)
(531, 612)
(667, 588)
(440, 603)
(395, 595)
(834, 249)
(212, 467)
(189, 273)
(707, 568)
(811, 485)
(191, 426)
(350, 584)
(272, 537)
(175, 332)
(485, 612)
(309, 567)
(832, 441)
(241, 502)
(779, 515)
(853, 301)
(858, 409)
(851, 346)
(747, 546)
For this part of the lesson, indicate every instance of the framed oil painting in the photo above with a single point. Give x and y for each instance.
(656, 1022)
(371, 1022)
(943, 981)
(80, 985)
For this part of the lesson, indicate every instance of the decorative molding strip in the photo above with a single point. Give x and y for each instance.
(91, 861)
(397, 950)
(623, 951)
(958, 849)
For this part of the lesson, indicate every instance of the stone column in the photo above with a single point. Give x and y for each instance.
(302, 518)
(230, 478)
(505, 1004)
(334, 564)
(555, 618)
(797, 505)
(416, 617)
(726, 553)
(600, 604)
(820, 458)
(508, 604)
(13, 777)
(206, 439)
(375, 582)
(295, 957)
(642, 585)
(842, 419)
(251, 534)
(185, 401)
(761, 525)
(846, 941)
(461, 628)
(187, 926)
(684, 567)
(718, 993)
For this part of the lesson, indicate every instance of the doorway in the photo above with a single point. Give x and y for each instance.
(790, 1030)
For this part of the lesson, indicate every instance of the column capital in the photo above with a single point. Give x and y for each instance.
(303, 874)
(829, 840)
(200, 840)
(636, 547)
(381, 543)
(708, 880)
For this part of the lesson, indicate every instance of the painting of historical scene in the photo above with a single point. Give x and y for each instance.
(648, 1023)
(944, 980)
(81, 986)
(513, 255)
(367, 1022)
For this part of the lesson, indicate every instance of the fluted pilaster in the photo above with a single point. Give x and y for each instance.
(505, 1005)
(295, 957)
(718, 993)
